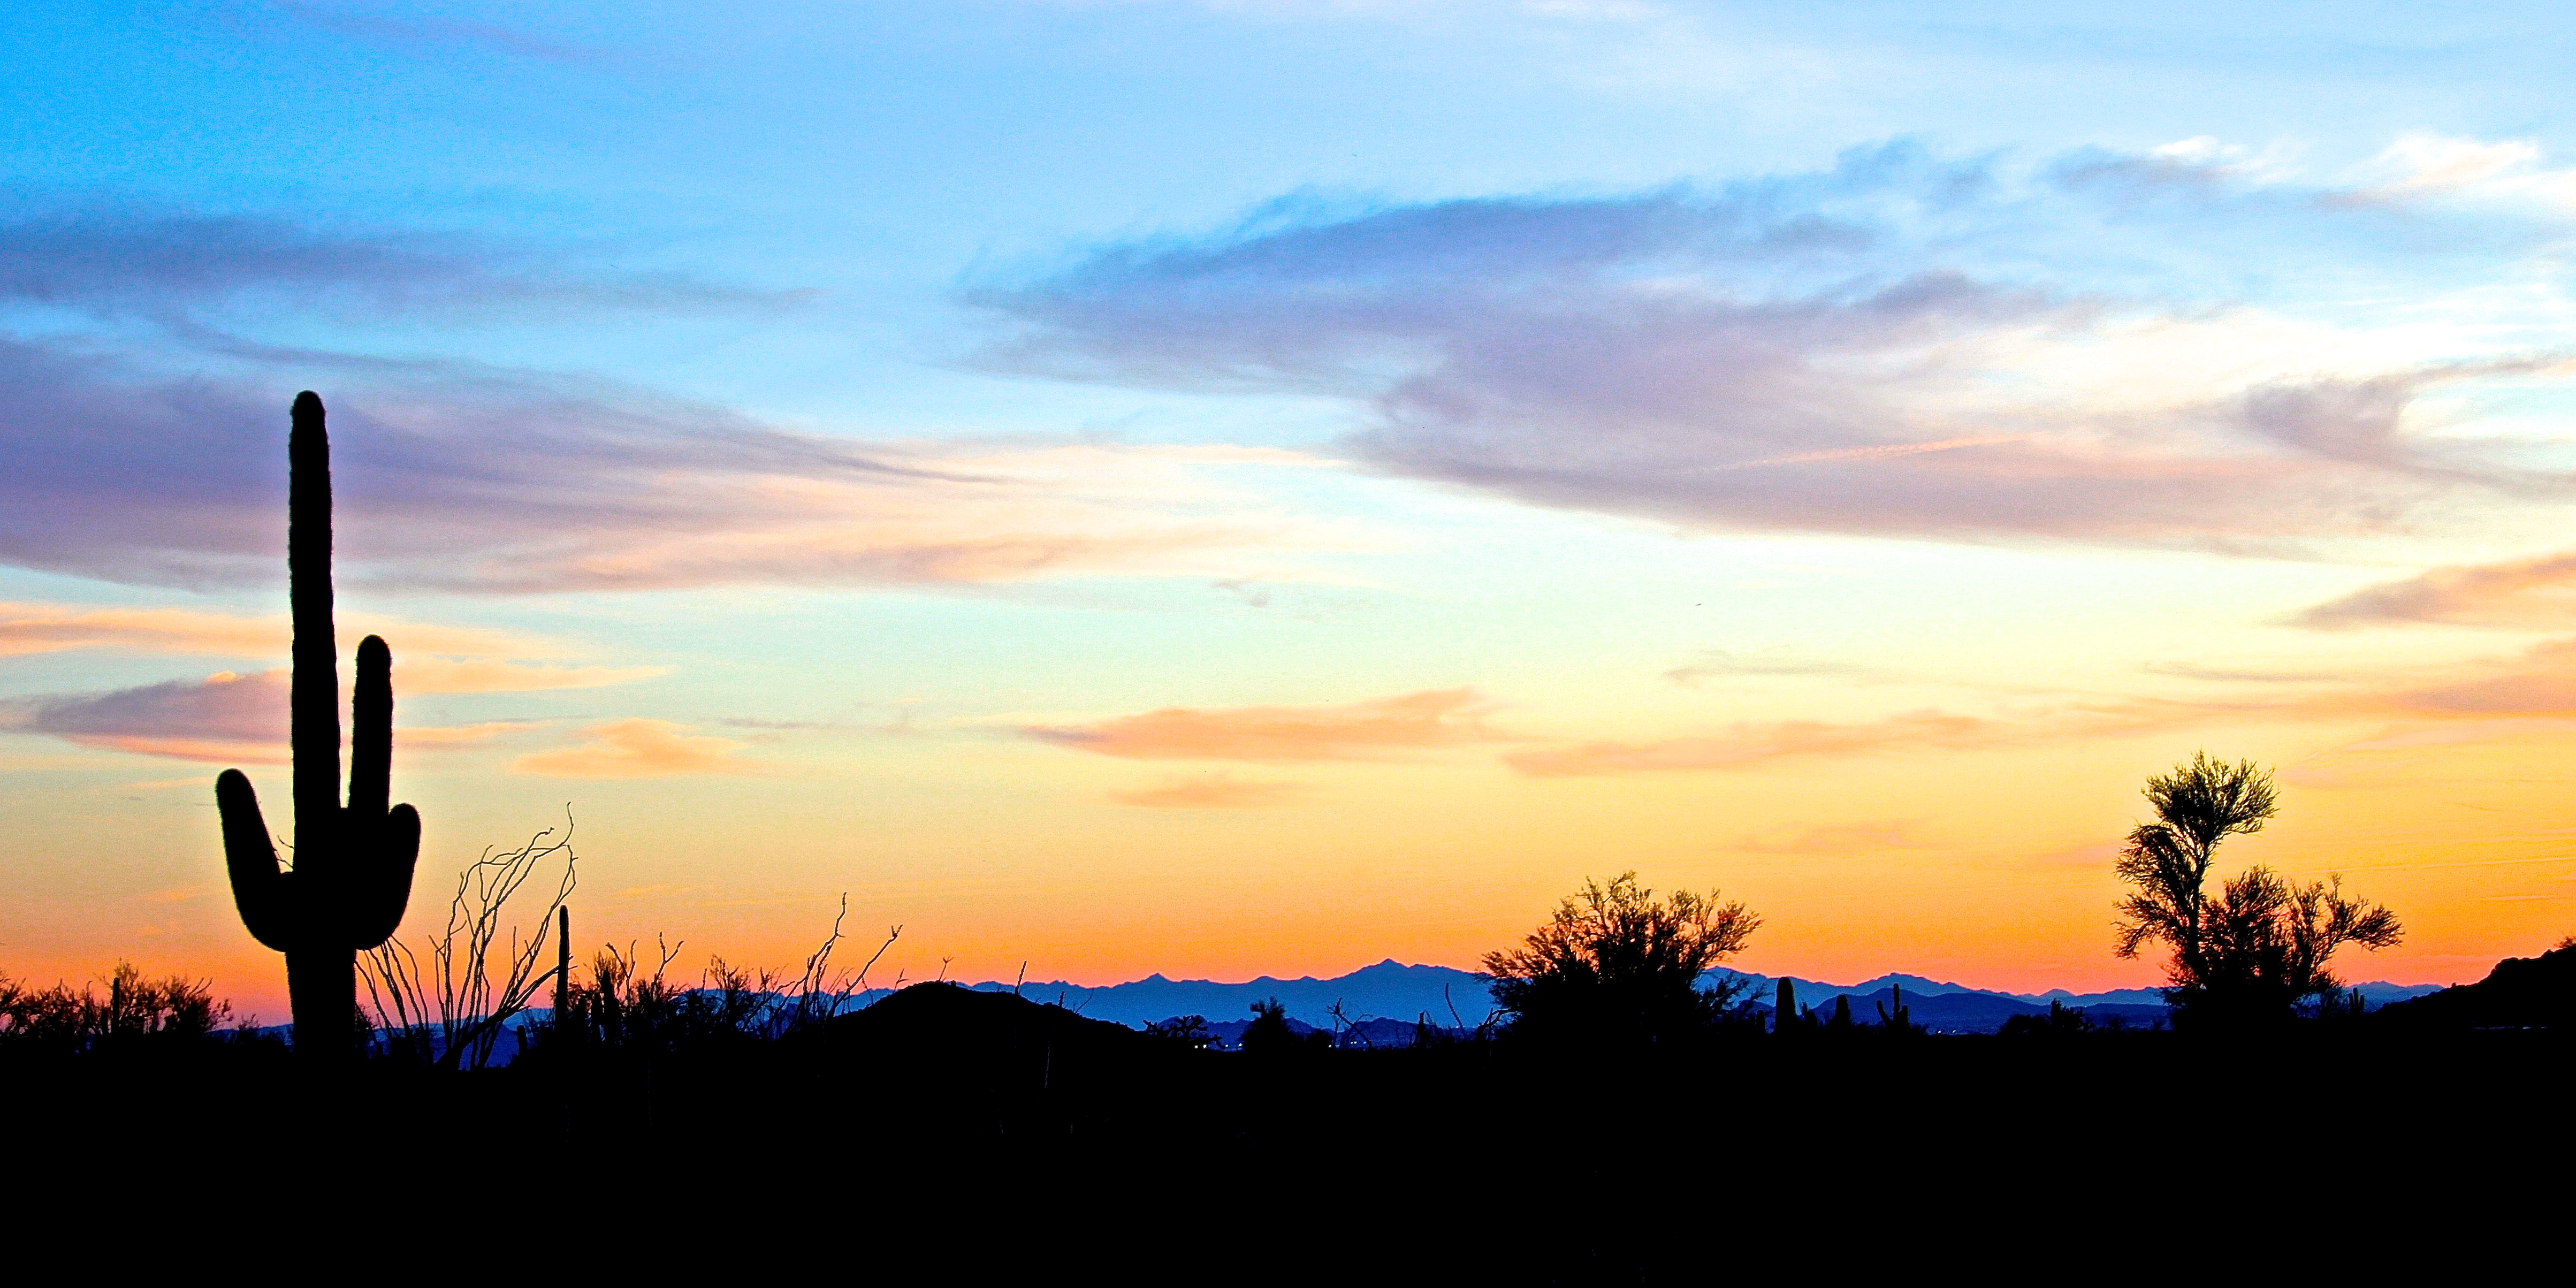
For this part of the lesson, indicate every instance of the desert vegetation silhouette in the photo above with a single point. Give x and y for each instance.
(1614, 965)
(2252, 956)
(351, 877)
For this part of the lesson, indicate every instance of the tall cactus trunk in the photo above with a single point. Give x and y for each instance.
(353, 865)
(321, 983)
(322, 991)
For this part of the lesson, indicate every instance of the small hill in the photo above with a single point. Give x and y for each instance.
(950, 1041)
(2520, 993)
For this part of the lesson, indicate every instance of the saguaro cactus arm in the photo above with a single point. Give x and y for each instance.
(250, 857)
(381, 847)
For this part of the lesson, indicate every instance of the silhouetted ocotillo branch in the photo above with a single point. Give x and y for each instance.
(353, 865)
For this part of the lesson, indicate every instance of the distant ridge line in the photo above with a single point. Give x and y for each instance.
(1393, 990)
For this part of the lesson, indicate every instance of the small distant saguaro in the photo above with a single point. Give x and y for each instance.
(353, 863)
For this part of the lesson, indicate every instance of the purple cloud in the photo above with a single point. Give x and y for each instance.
(122, 259)
(1884, 348)
(502, 484)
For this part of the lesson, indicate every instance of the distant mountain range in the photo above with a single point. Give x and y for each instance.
(1391, 990)
(1390, 996)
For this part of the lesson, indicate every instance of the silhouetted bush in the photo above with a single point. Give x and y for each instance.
(2061, 1021)
(1186, 1031)
(61, 1020)
(1269, 1034)
(1617, 966)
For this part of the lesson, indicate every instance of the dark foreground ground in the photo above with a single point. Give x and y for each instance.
(982, 1137)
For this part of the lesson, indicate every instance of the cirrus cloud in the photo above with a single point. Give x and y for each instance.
(1369, 730)
(27, 628)
(226, 718)
(1748, 744)
(510, 484)
(638, 748)
(1899, 346)
(1210, 791)
(2537, 592)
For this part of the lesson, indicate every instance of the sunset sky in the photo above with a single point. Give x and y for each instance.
(1265, 486)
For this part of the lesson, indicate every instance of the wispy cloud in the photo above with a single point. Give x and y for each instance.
(1367, 730)
(2519, 593)
(1718, 662)
(225, 718)
(48, 628)
(229, 718)
(2542, 681)
(1210, 791)
(1749, 744)
(120, 259)
(638, 749)
(2455, 704)
(1897, 346)
(511, 484)
(242, 718)
(2234, 675)
(2422, 164)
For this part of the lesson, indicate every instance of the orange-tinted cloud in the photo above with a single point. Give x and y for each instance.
(494, 675)
(223, 718)
(1211, 791)
(2540, 682)
(27, 628)
(1748, 744)
(2524, 592)
(638, 749)
(1367, 730)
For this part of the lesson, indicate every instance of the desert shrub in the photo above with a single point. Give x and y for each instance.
(1186, 1031)
(134, 1009)
(1269, 1033)
(2061, 1021)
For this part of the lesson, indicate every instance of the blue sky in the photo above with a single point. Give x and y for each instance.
(1631, 428)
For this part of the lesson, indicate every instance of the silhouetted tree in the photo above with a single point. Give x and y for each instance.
(1614, 964)
(2252, 955)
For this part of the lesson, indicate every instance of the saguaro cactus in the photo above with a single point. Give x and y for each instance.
(1784, 1012)
(1903, 1020)
(353, 864)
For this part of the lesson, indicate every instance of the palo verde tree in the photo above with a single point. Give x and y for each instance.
(1617, 965)
(353, 863)
(2250, 956)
